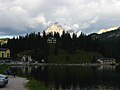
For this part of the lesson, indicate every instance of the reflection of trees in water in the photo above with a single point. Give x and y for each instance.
(109, 76)
(107, 67)
(41, 73)
(22, 70)
(74, 77)
(66, 77)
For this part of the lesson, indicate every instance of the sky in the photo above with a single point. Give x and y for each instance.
(19, 17)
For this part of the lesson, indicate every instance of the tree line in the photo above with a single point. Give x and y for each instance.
(70, 43)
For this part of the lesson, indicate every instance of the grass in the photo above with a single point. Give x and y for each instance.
(34, 84)
(3, 68)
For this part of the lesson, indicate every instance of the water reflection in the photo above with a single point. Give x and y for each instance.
(75, 77)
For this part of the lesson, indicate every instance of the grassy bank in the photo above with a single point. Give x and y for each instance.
(34, 84)
(3, 68)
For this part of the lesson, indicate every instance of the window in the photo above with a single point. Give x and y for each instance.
(2, 55)
(8, 55)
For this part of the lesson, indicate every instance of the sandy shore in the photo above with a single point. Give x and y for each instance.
(16, 83)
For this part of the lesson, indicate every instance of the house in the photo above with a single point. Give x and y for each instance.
(106, 61)
(51, 40)
(4, 53)
(26, 58)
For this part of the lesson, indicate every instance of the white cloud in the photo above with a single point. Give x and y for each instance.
(75, 26)
(14, 17)
(24, 16)
(61, 12)
(39, 21)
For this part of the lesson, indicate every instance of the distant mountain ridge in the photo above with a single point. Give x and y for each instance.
(110, 35)
(55, 28)
(3, 41)
(108, 29)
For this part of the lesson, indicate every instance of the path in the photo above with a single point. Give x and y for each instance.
(16, 83)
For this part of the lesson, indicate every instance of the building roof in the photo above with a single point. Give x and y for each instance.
(106, 59)
(4, 49)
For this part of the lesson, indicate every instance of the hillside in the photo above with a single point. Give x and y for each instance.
(79, 57)
(63, 56)
(110, 35)
(108, 29)
(3, 41)
(109, 43)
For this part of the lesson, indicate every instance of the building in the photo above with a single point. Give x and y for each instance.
(26, 58)
(51, 40)
(4, 53)
(106, 61)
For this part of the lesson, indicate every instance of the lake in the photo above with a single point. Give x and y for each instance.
(74, 77)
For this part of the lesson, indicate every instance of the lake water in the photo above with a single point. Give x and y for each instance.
(75, 77)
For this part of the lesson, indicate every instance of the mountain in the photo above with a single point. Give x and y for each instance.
(55, 28)
(109, 35)
(108, 29)
(59, 29)
(3, 41)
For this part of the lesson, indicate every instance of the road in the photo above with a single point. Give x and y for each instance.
(16, 83)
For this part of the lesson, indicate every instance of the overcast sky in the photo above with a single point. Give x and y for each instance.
(18, 17)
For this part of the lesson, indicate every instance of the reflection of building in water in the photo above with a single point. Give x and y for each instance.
(107, 67)
(26, 69)
(106, 61)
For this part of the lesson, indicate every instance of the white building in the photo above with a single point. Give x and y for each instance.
(106, 61)
(51, 40)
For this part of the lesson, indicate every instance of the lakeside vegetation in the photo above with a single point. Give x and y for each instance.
(35, 85)
(3, 67)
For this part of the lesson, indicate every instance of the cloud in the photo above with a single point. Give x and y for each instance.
(61, 12)
(14, 18)
(38, 23)
(19, 17)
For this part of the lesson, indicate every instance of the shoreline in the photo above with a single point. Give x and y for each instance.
(21, 82)
(61, 64)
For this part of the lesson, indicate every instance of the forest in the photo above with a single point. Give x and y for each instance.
(36, 45)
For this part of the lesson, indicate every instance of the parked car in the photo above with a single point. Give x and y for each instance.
(3, 80)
